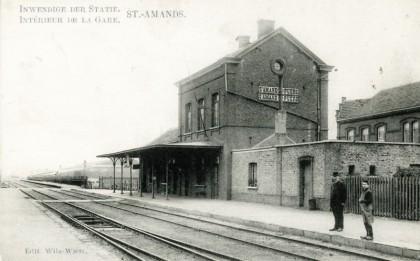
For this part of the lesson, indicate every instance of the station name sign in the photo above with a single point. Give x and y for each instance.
(267, 93)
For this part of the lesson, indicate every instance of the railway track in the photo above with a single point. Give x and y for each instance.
(37, 195)
(134, 242)
(203, 228)
(33, 184)
(131, 237)
(26, 184)
(17, 184)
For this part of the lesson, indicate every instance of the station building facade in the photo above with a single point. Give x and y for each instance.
(253, 127)
(233, 104)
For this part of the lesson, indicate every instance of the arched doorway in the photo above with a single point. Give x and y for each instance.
(305, 180)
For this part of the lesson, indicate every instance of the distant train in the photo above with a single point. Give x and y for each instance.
(63, 178)
(92, 176)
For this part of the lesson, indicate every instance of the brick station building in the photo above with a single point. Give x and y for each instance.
(253, 126)
(232, 104)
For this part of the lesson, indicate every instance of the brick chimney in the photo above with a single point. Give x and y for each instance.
(243, 40)
(340, 105)
(265, 27)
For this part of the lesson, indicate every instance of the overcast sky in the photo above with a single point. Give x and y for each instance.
(70, 92)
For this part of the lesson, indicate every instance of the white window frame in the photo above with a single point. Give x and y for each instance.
(188, 118)
(364, 133)
(350, 135)
(406, 132)
(415, 131)
(215, 107)
(201, 115)
(381, 133)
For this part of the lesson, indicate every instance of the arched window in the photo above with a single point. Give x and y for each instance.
(365, 134)
(406, 132)
(350, 135)
(416, 133)
(381, 133)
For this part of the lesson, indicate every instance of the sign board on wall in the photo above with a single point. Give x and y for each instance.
(268, 93)
(268, 97)
(268, 89)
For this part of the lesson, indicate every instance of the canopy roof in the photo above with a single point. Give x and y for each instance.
(202, 145)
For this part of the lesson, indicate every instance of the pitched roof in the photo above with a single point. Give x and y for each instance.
(237, 55)
(168, 140)
(349, 107)
(170, 136)
(275, 140)
(390, 100)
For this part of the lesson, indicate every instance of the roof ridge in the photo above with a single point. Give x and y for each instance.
(395, 99)
(238, 54)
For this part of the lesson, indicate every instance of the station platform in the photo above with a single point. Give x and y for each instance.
(391, 236)
(29, 232)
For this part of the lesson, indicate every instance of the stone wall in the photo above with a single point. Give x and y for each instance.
(279, 168)
(266, 190)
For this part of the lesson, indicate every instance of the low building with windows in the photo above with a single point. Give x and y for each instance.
(392, 115)
(377, 136)
(293, 174)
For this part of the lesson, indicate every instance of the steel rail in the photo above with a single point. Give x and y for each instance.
(24, 192)
(14, 182)
(33, 184)
(219, 235)
(242, 229)
(177, 244)
(170, 241)
(258, 232)
(44, 194)
(89, 194)
(107, 238)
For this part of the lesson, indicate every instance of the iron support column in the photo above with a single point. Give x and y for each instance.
(114, 162)
(167, 174)
(153, 181)
(140, 175)
(122, 167)
(130, 162)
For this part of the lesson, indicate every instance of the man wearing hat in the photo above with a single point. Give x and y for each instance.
(337, 202)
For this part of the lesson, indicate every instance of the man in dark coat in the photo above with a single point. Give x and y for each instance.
(337, 202)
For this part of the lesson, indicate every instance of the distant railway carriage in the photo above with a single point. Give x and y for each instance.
(89, 175)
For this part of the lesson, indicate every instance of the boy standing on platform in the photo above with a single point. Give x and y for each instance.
(366, 207)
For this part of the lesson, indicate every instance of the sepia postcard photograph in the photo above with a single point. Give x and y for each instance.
(209, 130)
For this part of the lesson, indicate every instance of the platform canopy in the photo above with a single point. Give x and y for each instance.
(170, 147)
